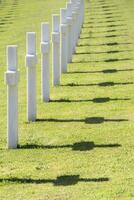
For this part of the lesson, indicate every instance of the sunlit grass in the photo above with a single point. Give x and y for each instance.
(81, 146)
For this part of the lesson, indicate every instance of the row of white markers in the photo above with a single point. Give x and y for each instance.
(65, 34)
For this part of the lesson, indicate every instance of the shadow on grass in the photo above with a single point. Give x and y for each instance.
(105, 6)
(95, 100)
(66, 180)
(117, 60)
(9, 17)
(114, 16)
(102, 18)
(107, 10)
(109, 13)
(2, 31)
(105, 36)
(102, 15)
(102, 21)
(79, 146)
(112, 60)
(103, 52)
(113, 7)
(103, 9)
(5, 23)
(106, 71)
(103, 84)
(89, 120)
(105, 26)
(105, 31)
(103, 44)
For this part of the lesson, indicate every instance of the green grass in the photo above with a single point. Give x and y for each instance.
(81, 146)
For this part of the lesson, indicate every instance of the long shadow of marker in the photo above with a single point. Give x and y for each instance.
(90, 120)
(106, 71)
(78, 146)
(95, 100)
(65, 180)
(103, 84)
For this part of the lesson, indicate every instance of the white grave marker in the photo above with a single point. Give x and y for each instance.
(56, 50)
(78, 20)
(31, 61)
(70, 31)
(12, 79)
(45, 49)
(74, 16)
(83, 10)
(64, 42)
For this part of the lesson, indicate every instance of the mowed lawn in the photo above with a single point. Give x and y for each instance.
(82, 145)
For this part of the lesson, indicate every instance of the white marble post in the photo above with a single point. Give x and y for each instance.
(56, 51)
(73, 31)
(31, 61)
(74, 17)
(12, 79)
(76, 9)
(81, 15)
(45, 72)
(78, 19)
(77, 23)
(70, 31)
(64, 42)
(83, 10)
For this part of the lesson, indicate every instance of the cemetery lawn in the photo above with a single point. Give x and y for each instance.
(82, 145)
